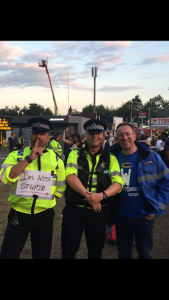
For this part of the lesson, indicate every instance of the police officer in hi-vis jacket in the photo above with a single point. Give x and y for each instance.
(32, 201)
(91, 174)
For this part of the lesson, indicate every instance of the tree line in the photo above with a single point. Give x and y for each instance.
(34, 109)
(124, 110)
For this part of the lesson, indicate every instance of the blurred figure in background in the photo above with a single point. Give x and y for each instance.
(153, 146)
(165, 153)
(20, 142)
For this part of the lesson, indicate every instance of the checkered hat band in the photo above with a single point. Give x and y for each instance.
(94, 126)
(40, 125)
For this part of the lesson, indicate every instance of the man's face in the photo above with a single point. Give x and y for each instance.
(43, 139)
(95, 139)
(126, 137)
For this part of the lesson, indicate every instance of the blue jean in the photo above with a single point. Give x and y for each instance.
(142, 229)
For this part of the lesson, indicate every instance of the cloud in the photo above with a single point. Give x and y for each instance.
(160, 58)
(122, 44)
(8, 53)
(111, 88)
(36, 56)
(154, 75)
(81, 87)
(104, 61)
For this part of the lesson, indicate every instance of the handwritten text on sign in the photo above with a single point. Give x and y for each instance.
(33, 182)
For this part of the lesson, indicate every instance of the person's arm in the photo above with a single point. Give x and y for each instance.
(61, 182)
(78, 187)
(18, 169)
(64, 140)
(76, 184)
(112, 190)
(162, 190)
(115, 186)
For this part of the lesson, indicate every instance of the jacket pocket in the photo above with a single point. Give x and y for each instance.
(149, 174)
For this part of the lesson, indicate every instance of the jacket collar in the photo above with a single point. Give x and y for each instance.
(44, 151)
(142, 148)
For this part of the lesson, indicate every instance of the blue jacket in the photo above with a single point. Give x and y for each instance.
(153, 178)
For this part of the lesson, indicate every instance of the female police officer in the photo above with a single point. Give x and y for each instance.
(91, 173)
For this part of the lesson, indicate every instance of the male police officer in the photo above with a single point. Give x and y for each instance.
(32, 213)
(55, 145)
(91, 173)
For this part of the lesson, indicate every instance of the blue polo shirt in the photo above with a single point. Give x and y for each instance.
(131, 201)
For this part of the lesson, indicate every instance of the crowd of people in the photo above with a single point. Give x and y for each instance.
(114, 185)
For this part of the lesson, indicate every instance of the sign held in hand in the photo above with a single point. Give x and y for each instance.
(33, 182)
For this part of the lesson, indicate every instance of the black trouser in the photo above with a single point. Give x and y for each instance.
(39, 225)
(75, 219)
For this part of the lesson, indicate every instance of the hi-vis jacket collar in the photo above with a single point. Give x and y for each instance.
(144, 150)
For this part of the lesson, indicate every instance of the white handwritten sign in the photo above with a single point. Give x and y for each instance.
(33, 182)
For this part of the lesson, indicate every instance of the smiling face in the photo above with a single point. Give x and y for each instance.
(95, 139)
(126, 138)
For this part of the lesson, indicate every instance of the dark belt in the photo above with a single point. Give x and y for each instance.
(89, 207)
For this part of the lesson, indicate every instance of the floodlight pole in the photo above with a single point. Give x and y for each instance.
(94, 74)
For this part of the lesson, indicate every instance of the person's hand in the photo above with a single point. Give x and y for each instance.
(150, 217)
(93, 198)
(97, 207)
(36, 151)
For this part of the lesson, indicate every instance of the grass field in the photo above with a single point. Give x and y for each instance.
(160, 244)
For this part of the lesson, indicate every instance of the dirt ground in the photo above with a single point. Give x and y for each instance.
(160, 242)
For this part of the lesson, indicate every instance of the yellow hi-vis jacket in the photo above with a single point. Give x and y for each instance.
(55, 145)
(49, 162)
(113, 171)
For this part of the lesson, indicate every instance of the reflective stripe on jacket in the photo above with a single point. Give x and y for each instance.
(153, 177)
(112, 171)
(49, 162)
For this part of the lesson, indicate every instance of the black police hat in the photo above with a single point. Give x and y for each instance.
(94, 125)
(40, 125)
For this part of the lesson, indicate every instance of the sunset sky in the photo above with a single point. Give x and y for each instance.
(125, 69)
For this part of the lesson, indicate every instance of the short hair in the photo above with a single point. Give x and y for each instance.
(153, 142)
(124, 124)
(142, 137)
(159, 137)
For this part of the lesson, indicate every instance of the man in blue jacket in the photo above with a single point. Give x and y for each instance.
(145, 193)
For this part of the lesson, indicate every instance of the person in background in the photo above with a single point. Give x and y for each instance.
(158, 144)
(67, 146)
(12, 140)
(165, 153)
(55, 145)
(111, 139)
(84, 139)
(164, 137)
(153, 146)
(105, 144)
(20, 142)
(76, 140)
(52, 135)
